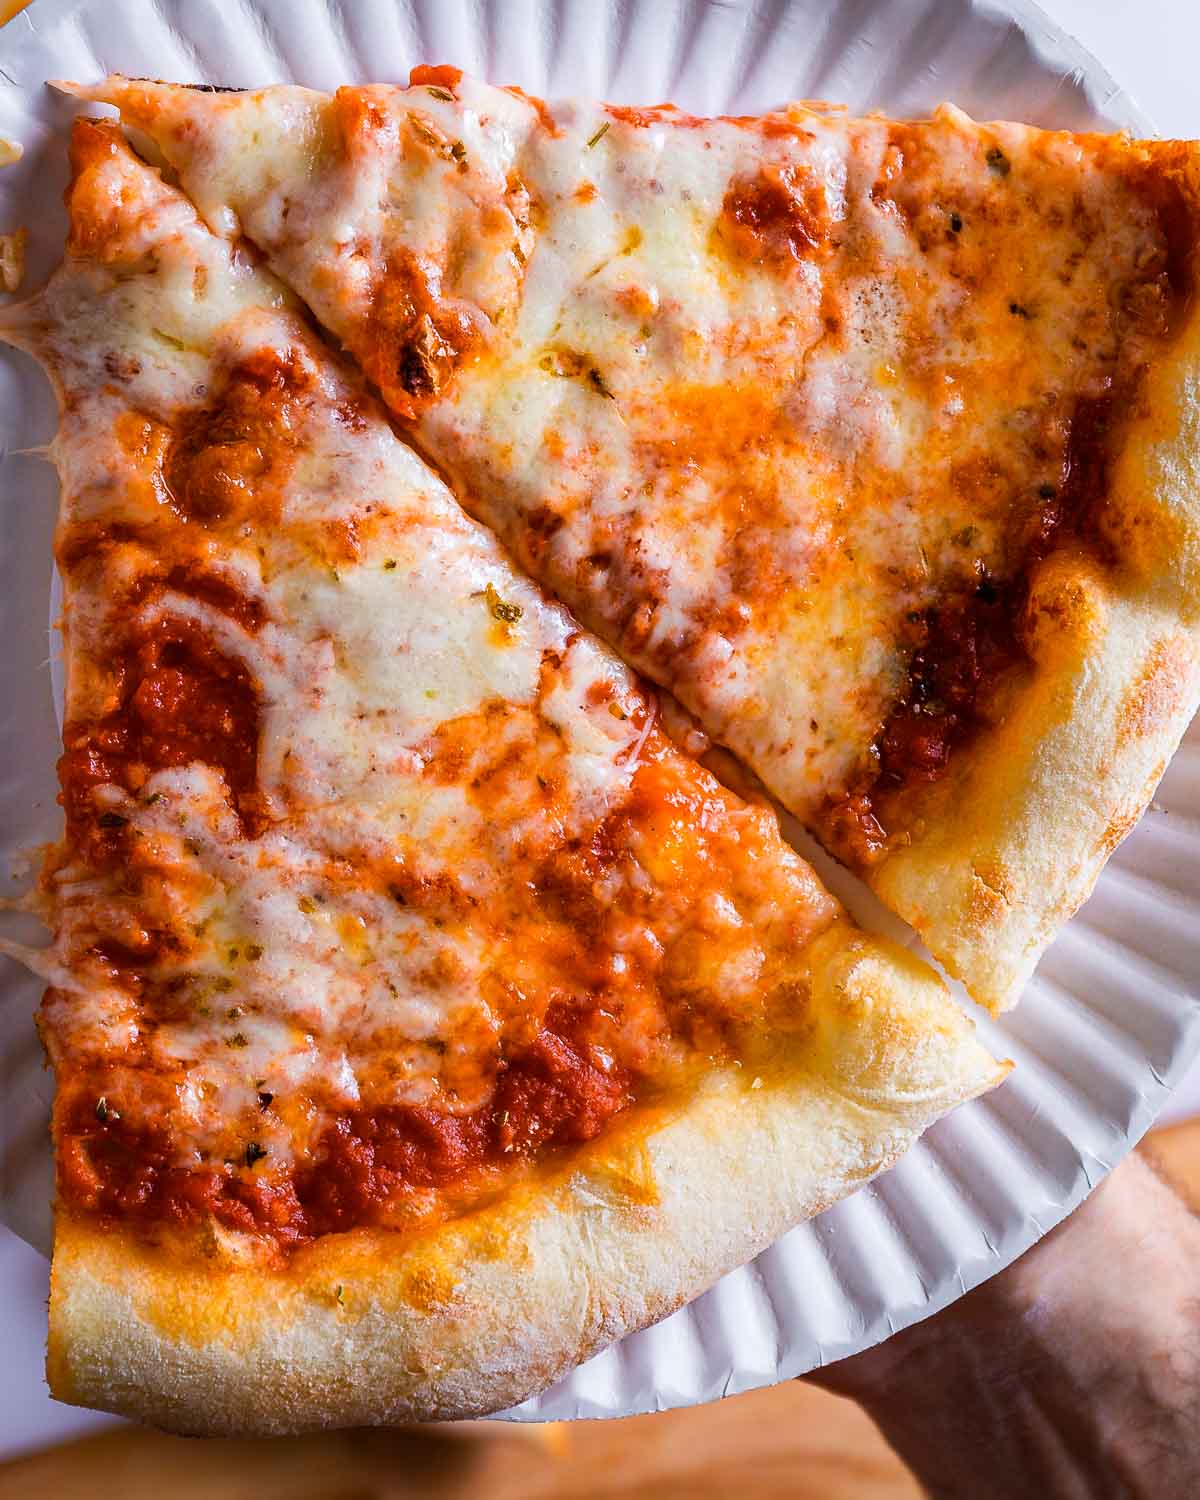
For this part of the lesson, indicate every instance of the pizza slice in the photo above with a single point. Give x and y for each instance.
(422, 1018)
(875, 442)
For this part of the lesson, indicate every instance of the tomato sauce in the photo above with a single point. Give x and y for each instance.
(182, 700)
(195, 582)
(439, 75)
(224, 463)
(781, 214)
(554, 1093)
(961, 649)
(105, 1166)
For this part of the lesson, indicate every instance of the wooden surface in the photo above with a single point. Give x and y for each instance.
(791, 1440)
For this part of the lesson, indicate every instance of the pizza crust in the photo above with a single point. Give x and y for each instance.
(1009, 845)
(426, 1328)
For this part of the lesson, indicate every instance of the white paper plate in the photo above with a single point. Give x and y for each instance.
(1113, 1017)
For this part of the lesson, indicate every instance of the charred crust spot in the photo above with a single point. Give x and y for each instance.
(425, 359)
(122, 367)
(195, 88)
(417, 338)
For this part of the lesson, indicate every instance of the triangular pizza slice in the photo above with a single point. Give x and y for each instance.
(875, 442)
(422, 1018)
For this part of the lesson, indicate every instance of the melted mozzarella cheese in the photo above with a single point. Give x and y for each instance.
(769, 390)
(445, 763)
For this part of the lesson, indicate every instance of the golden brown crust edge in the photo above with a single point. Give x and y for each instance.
(1010, 846)
(479, 1314)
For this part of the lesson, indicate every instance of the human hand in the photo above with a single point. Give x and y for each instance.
(1073, 1373)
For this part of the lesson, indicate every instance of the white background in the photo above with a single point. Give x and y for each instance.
(1150, 47)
